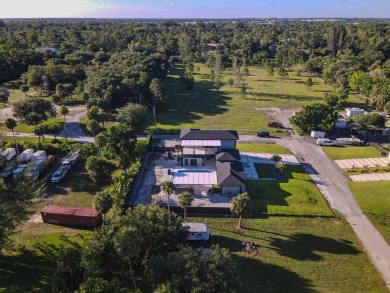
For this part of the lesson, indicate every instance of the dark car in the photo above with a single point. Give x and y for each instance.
(263, 134)
(275, 124)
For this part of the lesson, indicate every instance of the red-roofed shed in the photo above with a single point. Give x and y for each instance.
(71, 216)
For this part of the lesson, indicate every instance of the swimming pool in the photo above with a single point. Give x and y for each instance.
(193, 171)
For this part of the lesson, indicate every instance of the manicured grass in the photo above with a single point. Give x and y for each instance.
(206, 107)
(29, 265)
(351, 152)
(296, 196)
(262, 148)
(75, 189)
(374, 199)
(297, 254)
(264, 171)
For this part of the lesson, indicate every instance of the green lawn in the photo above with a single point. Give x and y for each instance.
(296, 196)
(374, 199)
(29, 265)
(264, 171)
(297, 254)
(208, 108)
(351, 152)
(262, 148)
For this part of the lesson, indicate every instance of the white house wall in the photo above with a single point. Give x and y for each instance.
(200, 150)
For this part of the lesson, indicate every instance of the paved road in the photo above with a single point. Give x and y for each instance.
(333, 184)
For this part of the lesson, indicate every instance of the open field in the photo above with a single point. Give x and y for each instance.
(297, 254)
(374, 199)
(29, 265)
(262, 148)
(296, 196)
(351, 152)
(208, 108)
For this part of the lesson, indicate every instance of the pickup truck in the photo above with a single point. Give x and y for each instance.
(59, 174)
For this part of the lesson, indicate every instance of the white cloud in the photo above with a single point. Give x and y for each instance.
(45, 8)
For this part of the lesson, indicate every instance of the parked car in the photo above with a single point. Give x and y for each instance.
(8, 171)
(19, 170)
(263, 134)
(275, 124)
(326, 142)
(59, 174)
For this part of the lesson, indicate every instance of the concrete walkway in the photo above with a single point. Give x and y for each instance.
(370, 177)
(249, 159)
(360, 163)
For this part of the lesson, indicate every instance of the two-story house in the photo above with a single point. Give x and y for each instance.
(209, 157)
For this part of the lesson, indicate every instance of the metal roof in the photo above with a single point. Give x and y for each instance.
(196, 227)
(200, 143)
(188, 178)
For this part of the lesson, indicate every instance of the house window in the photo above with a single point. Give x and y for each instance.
(199, 234)
(193, 162)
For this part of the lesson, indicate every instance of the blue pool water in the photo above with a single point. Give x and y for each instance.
(193, 171)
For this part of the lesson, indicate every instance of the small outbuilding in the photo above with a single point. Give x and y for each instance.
(71, 216)
(354, 111)
(197, 231)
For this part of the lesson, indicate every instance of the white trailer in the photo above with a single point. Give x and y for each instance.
(24, 157)
(317, 134)
(37, 155)
(197, 231)
(71, 158)
(9, 154)
(354, 111)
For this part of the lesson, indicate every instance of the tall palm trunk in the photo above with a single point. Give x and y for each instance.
(132, 273)
(185, 215)
(16, 145)
(169, 209)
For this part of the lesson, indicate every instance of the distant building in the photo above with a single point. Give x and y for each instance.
(354, 111)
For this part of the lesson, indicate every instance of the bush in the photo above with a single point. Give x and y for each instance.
(100, 170)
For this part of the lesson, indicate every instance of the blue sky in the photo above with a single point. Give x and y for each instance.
(194, 8)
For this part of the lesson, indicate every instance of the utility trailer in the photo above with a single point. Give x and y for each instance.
(71, 158)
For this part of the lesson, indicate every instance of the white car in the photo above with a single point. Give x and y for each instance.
(325, 142)
(59, 174)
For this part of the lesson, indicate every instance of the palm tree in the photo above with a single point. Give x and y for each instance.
(169, 188)
(11, 124)
(241, 205)
(93, 126)
(281, 167)
(64, 111)
(103, 203)
(127, 243)
(276, 158)
(185, 201)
